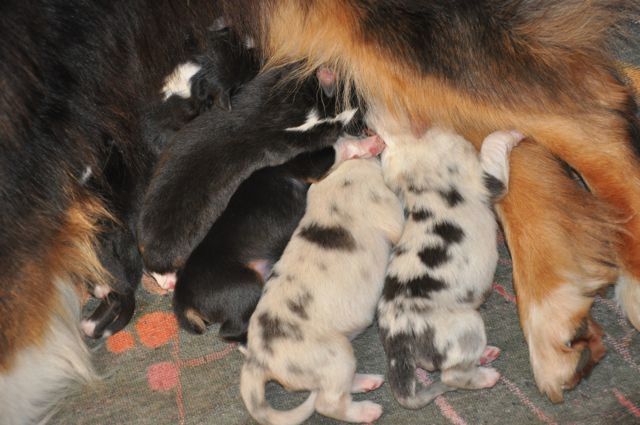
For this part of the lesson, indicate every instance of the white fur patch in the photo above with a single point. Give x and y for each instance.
(88, 327)
(628, 297)
(41, 374)
(86, 174)
(178, 83)
(101, 291)
(313, 119)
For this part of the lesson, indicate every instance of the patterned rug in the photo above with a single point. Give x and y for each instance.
(155, 373)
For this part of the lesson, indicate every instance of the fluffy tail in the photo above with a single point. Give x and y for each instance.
(252, 382)
(410, 393)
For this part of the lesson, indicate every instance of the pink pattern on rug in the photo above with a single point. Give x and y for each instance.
(502, 291)
(527, 402)
(623, 351)
(446, 409)
(162, 376)
(632, 408)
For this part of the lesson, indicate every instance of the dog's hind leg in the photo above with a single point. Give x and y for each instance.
(337, 382)
(472, 378)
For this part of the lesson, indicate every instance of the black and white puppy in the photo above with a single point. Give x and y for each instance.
(223, 278)
(195, 86)
(271, 122)
(322, 293)
(442, 269)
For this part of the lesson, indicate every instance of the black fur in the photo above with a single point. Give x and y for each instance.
(225, 66)
(420, 287)
(334, 237)
(76, 78)
(217, 282)
(250, 137)
(449, 232)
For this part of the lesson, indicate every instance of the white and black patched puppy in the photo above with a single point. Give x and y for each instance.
(442, 269)
(323, 291)
(223, 278)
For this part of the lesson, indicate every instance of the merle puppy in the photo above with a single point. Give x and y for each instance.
(322, 293)
(223, 278)
(271, 121)
(442, 268)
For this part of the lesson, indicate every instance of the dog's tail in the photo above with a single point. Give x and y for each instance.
(252, 382)
(406, 388)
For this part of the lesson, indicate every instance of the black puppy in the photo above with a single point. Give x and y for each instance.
(195, 86)
(271, 122)
(222, 280)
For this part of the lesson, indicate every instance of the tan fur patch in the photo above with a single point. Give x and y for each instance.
(71, 258)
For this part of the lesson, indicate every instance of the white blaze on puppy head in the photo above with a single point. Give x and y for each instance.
(178, 83)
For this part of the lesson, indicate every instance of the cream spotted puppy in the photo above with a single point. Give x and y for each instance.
(323, 292)
(443, 267)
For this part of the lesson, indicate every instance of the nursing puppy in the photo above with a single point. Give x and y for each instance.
(323, 292)
(223, 278)
(443, 267)
(271, 122)
(195, 86)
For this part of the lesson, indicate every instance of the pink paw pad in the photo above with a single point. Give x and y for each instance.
(364, 383)
(166, 281)
(489, 355)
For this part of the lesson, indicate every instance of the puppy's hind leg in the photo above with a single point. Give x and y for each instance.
(364, 383)
(471, 378)
(338, 379)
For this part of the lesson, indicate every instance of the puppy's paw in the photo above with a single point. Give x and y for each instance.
(166, 281)
(351, 148)
(489, 377)
(368, 411)
(364, 383)
(111, 316)
(88, 327)
(490, 354)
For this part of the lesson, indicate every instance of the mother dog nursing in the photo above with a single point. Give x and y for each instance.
(77, 78)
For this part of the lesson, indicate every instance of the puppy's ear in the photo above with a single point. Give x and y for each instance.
(223, 101)
(327, 80)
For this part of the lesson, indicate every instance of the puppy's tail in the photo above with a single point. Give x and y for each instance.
(410, 393)
(252, 382)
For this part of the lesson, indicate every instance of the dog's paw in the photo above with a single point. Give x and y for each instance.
(489, 377)
(368, 411)
(490, 354)
(166, 281)
(559, 362)
(112, 314)
(364, 383)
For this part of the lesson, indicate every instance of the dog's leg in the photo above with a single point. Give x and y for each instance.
(364, 383)
(472, 378)
(562, 241)
(337, 382)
